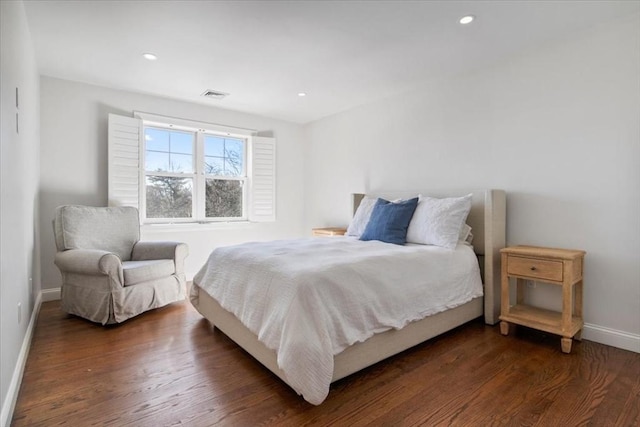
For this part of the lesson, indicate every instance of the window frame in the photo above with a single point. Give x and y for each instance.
(198, 176)
(124, 150)
(203, 176)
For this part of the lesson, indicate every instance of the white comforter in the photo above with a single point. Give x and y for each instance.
(309, 299)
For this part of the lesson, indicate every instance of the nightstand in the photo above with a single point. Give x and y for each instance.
(561, 267)
(328, 231)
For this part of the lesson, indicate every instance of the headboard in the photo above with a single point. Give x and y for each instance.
(487, 218)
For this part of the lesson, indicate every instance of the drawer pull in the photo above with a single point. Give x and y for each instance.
(533, 268)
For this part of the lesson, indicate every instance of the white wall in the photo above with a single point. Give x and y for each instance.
(74, 166)
(558, 128)
(19, 157)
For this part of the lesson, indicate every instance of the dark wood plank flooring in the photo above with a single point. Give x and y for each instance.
(169, 367)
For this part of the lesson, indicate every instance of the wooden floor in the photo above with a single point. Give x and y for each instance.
(169, 367)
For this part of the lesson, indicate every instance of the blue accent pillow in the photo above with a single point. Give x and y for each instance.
(389, 221)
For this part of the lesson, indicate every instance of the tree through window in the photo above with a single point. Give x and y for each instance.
(224, 169)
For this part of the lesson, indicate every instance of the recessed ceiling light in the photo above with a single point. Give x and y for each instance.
(301, 94)
(467, 19)
(149, 56)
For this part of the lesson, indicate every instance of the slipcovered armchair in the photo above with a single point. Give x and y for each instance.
(108, 275)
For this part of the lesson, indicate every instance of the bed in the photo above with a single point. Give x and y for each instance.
(487, 220)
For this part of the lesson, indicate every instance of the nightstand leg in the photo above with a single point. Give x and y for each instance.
(567, 306)
(578, 307)
(566, 345)
(578, 299)
(504, 328)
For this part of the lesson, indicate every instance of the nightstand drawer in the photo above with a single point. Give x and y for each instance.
(535, 268)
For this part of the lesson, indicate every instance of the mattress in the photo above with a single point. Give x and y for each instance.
(309, 299)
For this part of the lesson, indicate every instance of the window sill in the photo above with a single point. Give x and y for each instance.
(195, 226)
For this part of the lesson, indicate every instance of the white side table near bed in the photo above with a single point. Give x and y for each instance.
(562, 267)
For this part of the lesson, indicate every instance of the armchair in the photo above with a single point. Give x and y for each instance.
(108, 275)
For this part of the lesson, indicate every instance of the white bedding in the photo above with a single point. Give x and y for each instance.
(309, 299)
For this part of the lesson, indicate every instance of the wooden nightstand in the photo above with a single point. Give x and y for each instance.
(328, 231)
(562, 267)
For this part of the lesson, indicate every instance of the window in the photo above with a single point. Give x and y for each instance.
(169, 173)
(193, 175)
(224, 171)
(178, 171)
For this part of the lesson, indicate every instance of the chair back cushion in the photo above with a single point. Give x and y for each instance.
(114, 229)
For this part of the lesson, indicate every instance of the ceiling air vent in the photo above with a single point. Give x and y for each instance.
(215, 94)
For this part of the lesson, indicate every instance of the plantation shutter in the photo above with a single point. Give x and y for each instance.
(124, 156)
(262, 186)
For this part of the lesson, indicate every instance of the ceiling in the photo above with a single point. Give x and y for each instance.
(263, 53)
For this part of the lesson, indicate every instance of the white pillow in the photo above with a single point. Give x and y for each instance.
(439, 221)
(361, 217)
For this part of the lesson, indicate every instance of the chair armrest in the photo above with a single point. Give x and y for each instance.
(176, 251)
(143, 251)
(89, 261)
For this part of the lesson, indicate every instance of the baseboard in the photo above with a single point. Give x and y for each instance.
(9, 403)
(612, 337)
(50, 294)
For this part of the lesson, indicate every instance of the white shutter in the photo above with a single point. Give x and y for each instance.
(262, 185)
(124, 155)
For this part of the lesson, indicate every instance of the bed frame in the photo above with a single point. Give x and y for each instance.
(488, 221)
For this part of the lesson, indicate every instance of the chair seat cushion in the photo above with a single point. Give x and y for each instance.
(143, 271)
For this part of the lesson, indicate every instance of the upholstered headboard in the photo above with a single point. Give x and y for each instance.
(487, 218)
